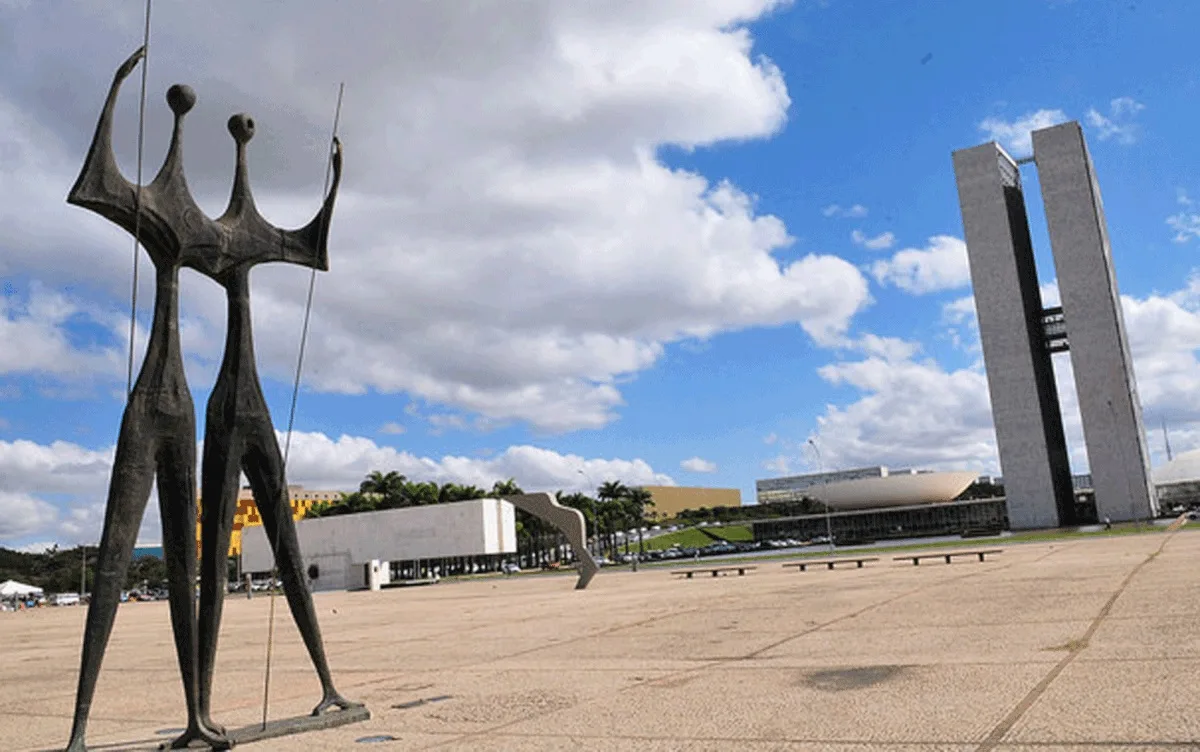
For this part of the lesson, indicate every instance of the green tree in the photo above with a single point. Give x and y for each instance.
(507, 487)
(611, 512)
(146, 571)
(586, 505)
(637, 501)
(611, 490)
(388, 487)
(422, 494)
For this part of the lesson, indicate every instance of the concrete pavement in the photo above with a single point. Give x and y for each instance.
(1088, 644)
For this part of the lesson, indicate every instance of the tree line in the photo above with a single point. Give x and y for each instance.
(613, 508)
(58, 570)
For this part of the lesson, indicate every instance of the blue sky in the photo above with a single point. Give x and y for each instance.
(589, 242)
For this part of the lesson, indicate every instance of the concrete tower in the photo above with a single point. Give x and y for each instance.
(1019, 334)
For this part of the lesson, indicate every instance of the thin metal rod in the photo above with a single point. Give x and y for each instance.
(137, 216)
(287, 445)
(312, 283)
(270, 643)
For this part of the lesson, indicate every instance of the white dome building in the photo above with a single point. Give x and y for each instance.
(1183, 469)
(894, 490)
(868, 488)
(1178, 481)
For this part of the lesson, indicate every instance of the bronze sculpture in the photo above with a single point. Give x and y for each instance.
(158, 428)
(238, 432)
(157, 436)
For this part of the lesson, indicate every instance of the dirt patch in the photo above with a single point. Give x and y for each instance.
(1070, 646)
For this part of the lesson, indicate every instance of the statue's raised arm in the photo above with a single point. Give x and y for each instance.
(171, 223)
(100, 186)
(251, 238)
(308, 246)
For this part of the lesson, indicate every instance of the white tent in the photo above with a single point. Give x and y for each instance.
(10, 588)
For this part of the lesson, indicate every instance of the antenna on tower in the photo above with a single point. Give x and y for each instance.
(1166, 439)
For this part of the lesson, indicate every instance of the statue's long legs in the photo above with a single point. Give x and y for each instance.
(264, 469)
(221, 473)
(128, 492)
(177, 504)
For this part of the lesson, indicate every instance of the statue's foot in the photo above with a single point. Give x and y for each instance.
(333, 699)
(213, 728)
(204, 735)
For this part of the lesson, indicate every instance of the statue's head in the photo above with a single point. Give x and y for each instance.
(181, 98)
(241, 127)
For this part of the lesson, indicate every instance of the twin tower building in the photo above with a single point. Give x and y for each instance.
(1019, 333)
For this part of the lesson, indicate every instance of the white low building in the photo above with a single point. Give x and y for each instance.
(355, 550)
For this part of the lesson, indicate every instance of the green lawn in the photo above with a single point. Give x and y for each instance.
(697, 537)
(1031, 537)
(689, 538)
(732, 533)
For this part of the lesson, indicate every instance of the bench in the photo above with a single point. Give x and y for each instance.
(741, 570)
(916, 558)
(830, 562)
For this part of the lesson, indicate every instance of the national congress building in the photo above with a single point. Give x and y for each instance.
(1019, 333)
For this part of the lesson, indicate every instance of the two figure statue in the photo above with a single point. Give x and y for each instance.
(157, 440)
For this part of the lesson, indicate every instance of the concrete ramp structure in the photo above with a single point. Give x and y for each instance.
(568, 521)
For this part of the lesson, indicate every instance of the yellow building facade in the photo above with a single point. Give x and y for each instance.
(247, 514)
(669, 501)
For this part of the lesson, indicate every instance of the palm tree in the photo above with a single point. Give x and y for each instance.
(384, 484)
(388, 487)
(586, 505)
(450, 492)
(506, 488)
(611, 490)
(637, 500)
(421, 494)
(466, 493)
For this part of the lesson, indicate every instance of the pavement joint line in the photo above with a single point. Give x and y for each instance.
(710, 663)
(873, 743)
(501, 673)
(520, 653)
(1001, 729)
(749, 656)
(887, 601)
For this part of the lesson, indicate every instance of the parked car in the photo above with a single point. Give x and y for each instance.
(65, 599)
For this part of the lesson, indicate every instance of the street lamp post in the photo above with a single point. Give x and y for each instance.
(828, 524)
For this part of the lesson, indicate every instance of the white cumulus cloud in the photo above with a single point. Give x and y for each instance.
(56, 491)
(916, 412)
(506, 244)
(698, 465)
(1016, 135)
(880, 242)
(856, 211)
(1118, 124)
(941, 265)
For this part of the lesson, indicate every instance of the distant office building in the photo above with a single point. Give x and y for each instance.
(247, 512)
(669, 501)
(867, 487)
(1019, 334)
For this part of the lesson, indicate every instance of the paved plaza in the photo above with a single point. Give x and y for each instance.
(1086, 644)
